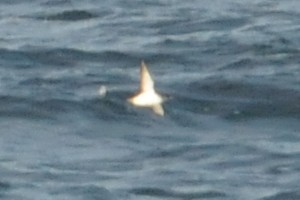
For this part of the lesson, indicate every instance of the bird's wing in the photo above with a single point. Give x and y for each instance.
(158, 109)
(147, 83)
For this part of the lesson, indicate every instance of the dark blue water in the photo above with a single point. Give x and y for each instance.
(231, 130)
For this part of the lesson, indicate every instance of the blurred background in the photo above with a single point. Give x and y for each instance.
(231, 129)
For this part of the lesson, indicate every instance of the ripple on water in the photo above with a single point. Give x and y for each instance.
(163, 193)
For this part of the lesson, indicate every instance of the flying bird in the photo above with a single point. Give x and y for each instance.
(147, 96)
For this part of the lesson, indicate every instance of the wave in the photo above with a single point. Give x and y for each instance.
(284, 195)
(240, 100)
(64, 56)
(69, 15)
(157, 192)
(108, 109)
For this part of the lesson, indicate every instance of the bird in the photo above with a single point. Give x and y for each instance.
(146, 96)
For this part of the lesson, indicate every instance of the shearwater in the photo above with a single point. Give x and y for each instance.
(147, 96)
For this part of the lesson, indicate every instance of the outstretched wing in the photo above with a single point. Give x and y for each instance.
(147, 83)
(158, 109)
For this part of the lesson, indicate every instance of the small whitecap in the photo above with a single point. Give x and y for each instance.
(102, 91)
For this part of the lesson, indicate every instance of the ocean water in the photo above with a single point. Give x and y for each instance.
(231, 129)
